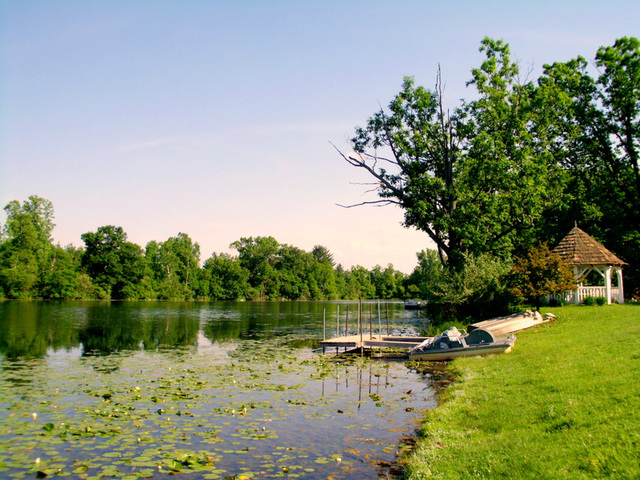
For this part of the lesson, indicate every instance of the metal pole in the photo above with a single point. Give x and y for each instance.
(370, 322)
(360, 320)
(387, 305)
(324, 323)
(346, 324)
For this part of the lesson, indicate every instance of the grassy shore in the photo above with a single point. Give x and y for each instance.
(564, 404)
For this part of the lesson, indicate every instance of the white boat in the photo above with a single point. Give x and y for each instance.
(452, 344)
(501, 326)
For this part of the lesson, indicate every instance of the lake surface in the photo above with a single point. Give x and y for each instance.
(219, 390)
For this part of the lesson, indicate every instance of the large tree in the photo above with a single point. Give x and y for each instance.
(175, 266)
(27, 248)
(260, 257)
(475, 180)
(115, 265)
(595, 134)
(223, 278)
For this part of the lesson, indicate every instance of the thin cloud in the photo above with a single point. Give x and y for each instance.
(211, 139)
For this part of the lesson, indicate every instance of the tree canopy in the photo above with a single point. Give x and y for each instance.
(516, 166)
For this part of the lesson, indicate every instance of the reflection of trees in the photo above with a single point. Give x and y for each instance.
(254, 320)
(28, 329)
(178, 331)
(230, 329)
(109, 329)
(114, 327)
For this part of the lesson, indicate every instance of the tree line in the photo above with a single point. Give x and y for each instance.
(109, 266)
(497, 180)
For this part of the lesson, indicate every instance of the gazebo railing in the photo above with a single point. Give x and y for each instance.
(589, 291)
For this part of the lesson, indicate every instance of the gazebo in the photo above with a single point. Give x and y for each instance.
(586, 255)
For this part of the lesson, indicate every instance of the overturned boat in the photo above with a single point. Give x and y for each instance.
(452, 344)
(500, 326)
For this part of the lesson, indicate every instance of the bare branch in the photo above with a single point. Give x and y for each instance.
(364, 183)
(376, 158)
(377, 203)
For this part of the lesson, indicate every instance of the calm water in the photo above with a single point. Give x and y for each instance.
(199, 390)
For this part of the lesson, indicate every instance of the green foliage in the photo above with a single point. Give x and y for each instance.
(258, 256)
(538, 274)
(475, 181)
(476, 291)
(357, 283)
(174, 266)
(59, 278)
(110, 267)
(26, 250)
(510, 169)
(223, 278)
(427, 275)
(589, 301)
(388, 282)
(116, 266)
(596, 136)
(323, 255)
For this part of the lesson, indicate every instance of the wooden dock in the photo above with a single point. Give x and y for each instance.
(363, 339)
(369, 341)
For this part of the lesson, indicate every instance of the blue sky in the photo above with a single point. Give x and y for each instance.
(214, 118)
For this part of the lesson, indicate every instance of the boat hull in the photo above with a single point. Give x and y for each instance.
(471, 351)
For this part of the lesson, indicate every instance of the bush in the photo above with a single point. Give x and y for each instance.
(601, 301)
(557, 302)
(589, 301)
(540, 273)
(475, 292)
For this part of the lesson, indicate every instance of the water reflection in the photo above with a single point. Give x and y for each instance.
(129, 384)
(29, 330)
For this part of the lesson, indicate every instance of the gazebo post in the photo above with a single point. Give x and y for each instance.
(607, 282)
(620, 287)
(576, 294)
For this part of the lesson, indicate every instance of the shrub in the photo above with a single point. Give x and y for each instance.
(435, 329)
(589, 301)
(540, 273)
(557, 302)
(601, 301)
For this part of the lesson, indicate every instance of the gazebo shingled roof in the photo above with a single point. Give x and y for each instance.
(579, 248)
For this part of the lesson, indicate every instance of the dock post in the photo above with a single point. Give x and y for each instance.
(338, 321)
(324, 323)
(370, 322)
(379, 321)
(360, 320)
(387, 305)
(346, 324)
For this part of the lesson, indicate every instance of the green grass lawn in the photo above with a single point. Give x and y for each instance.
(565, 403)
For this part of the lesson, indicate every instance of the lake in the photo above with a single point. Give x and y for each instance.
(220, 390)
